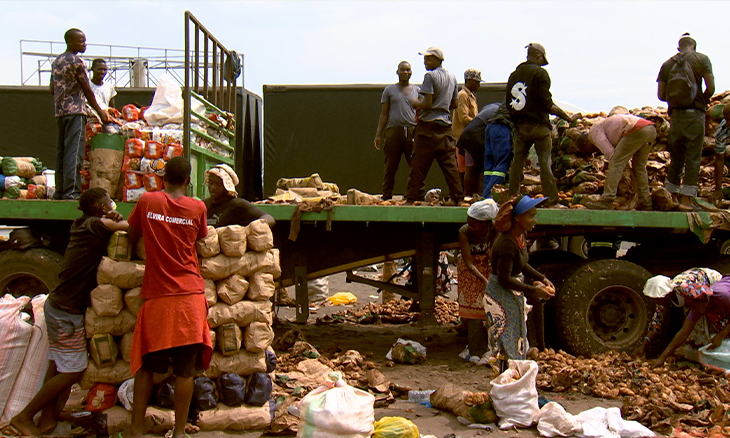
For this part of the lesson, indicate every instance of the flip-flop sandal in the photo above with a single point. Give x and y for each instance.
(168, 434)
(11, 430)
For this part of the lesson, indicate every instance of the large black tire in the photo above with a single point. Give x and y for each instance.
(601, 307)
(30, 272)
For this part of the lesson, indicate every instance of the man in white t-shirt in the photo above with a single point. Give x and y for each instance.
(103, 90)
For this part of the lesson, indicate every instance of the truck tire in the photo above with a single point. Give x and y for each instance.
(30, 272)
(601, 307)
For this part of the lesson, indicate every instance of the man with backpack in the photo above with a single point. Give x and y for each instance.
(680, 85)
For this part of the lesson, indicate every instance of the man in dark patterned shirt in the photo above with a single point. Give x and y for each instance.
(69, 85)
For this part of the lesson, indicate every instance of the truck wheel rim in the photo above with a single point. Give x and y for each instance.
(616, 316)
(23, 283)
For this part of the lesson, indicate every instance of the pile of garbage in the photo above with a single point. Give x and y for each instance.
(23, 178)
(397, 312)
(680, 396)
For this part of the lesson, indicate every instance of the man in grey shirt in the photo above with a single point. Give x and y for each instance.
(433, 137)
(398, 120)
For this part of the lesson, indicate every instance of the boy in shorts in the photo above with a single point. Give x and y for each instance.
(65, 309)
(172, 325)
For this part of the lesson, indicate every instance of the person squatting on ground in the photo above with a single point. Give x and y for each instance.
(682, 90)
(622, 137)
(434, 137)
(397, 120)
(172, 325)
(466, 110)
(473, 269)
(508, 288)
(69, 85)
(65, 309)
(704, 292)
(530, 105)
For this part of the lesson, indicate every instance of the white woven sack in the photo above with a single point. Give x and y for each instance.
(514, 394)
(35, 363)
(14, 338)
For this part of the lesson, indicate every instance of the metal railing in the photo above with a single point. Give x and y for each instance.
(129, 66)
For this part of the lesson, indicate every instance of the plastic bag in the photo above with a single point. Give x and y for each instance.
(167, 104)
(270, 360)
(553, 420)
(342, 298)
(165, 394)
(515, 395)
(204, 394)
(607, 423)
(259, 389)
(233, 389)
(101, 397)
(395, 427)
(125, 394)
(420, 349)
(335, 410)
(719, 358)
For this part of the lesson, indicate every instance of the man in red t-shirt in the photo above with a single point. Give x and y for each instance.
(172, 326)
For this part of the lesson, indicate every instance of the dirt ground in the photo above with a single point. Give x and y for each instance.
(443, 365)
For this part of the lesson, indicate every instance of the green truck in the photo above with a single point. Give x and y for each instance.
(598, 305)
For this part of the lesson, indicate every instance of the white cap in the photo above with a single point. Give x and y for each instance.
(484, 210)
(433, 51)
(658, 287)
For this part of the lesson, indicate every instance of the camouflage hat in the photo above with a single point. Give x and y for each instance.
(473, 73)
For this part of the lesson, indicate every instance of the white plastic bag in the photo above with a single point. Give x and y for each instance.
(418, 346)
(515, 395)
(336, 410)
(553, 420)
(15, 335)
(607, 423)
(167, 104)
(717, 358)
(125, 394)
(35, 363)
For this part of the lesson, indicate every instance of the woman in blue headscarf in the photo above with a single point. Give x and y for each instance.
(504, 300)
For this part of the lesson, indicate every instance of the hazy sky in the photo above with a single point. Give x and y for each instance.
(601, 53)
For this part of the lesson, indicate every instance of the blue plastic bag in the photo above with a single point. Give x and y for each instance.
(204, 394)
(233, 389)
(259, 389)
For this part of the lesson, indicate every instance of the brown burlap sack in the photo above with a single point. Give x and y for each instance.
(125, 346)
(133, 300)
(232, 289)
(119, 248)
(125, 275)
(211, 294)
(113, 375)
(209, 245)
(257, 337)
(476, 407)
(106, 300)
(243, 363)
(228, 339)
(113, 325)
(232, 240)
(118, 419)
(267, 261)
(261, 286)
(104, 169)
(259, 236)
(159, 420)
(220, 266)
(238, 418)
(242, 313)
(103, 350)
(213, 337)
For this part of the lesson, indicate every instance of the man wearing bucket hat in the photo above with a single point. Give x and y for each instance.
(434, 137)
(701, 290)
(224, 206)
(530, 105)
(475, 242)
(465, 112)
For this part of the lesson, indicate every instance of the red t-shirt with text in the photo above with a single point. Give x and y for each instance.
(170, 228)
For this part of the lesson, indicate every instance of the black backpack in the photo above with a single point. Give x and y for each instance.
(681, 87)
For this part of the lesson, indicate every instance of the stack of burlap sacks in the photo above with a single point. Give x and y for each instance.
(239, 265)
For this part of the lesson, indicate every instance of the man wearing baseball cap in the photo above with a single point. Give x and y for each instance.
(687, 106)
(530, 104)
(434, 138)
(466, 110)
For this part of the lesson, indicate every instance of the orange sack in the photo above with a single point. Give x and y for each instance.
(173, 150)
(130, 113)
(153, 150)
(134, 147)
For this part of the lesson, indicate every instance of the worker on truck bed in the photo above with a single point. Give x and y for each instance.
(172, 325)
(530, 104)
(622, 137)
(397, 120)
(687, 106)
(224, 206)
(464, 113)
(69, 85)
(704, 292)
(103, 90)
(722, 138)
(65, 309)
(433, 137)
